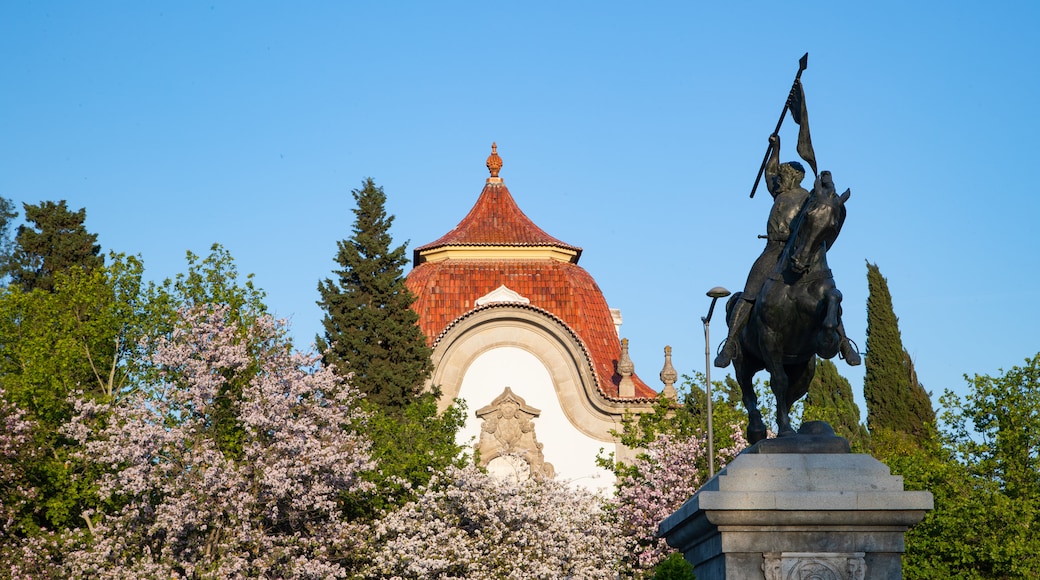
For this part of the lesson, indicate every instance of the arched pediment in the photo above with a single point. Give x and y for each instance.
(549, 340)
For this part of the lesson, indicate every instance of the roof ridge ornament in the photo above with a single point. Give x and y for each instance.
(669, 375)
(494, 164)
(625, 368)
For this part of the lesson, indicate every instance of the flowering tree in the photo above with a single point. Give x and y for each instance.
(660, 480)
(182, 507)
(469, 524)
(671, 464)
(15, 452)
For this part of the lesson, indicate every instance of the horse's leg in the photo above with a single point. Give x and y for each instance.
(800, 376)
(778, 381)
(780, 385)
(745, 374)
(828, 340)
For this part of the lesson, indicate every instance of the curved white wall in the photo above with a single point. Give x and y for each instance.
(571, 452)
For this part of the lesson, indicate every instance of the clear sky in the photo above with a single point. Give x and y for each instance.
(631, 129)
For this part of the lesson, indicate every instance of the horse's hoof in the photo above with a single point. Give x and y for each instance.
(788, 432)
(755, 436)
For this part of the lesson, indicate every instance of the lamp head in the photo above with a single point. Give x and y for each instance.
(718, 292)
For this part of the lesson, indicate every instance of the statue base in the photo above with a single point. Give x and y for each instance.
(774, 513)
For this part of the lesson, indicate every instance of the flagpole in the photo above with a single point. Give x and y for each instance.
(803, 63)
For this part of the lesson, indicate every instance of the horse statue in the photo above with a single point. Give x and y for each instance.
(797, 314)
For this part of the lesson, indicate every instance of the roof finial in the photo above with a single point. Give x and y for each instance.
(494, 163)
(625, 368)
(669, 375)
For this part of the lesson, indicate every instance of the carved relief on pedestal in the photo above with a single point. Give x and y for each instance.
(507, 442)
(813, 566)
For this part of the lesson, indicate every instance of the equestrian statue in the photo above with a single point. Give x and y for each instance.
(790, 309)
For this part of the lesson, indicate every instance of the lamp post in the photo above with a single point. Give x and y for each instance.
(715, 293)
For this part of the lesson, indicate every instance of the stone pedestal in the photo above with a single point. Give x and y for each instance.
(781, 515)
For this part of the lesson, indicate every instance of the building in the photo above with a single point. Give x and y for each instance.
(524, 335)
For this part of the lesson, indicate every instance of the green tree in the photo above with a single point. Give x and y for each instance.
(674, 567)
(409, 449)
(77, 340)
(370, 329)
(896, 402)
(88, 338)
(372, 332)
(57, 241)
(7, 217)
(985, 478)
(997, 428)
(830, 399)
(208, 282)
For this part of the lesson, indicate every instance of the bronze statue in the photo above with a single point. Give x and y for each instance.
(790, 310)
(796, 315)
(784, 183)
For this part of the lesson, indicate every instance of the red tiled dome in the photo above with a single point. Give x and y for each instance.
(446, 288)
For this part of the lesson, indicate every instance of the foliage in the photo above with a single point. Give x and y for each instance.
(370, 329)
(210, 282)
(57, 241)
(469, 524)
(896, 401)
(214, 280)
(408, 449)
(189, 510)
(674, 567)
(7, 217)
(830, 399)
(670, 465)
(1003, 441)
(82, 336)
(983, 477)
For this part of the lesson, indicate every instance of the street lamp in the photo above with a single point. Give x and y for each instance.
(715, 293)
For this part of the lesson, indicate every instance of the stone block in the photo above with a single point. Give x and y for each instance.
(773, 516)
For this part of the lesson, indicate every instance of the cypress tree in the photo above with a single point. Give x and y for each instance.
(56, 242)
(830, 399)
(896, 401)
(370, 329)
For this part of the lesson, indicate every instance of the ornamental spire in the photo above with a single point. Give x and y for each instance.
(625, 368)
(669, 375)
(494, 164)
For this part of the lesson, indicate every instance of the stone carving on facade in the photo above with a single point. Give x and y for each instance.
(814, 566)
(501, 294)
(507, 438)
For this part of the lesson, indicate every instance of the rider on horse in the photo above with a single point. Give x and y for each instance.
(784, 183)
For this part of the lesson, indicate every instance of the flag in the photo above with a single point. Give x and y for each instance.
(801, 116)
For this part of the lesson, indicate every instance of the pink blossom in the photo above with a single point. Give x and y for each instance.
(469, 524)
(665, 476)
(190, 510)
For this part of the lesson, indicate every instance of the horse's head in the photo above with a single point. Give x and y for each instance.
(818, 224)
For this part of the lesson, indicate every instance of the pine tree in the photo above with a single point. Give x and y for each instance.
(830, 399)
(896, 401)
(372, 332)
(370, 329)
(56, 242)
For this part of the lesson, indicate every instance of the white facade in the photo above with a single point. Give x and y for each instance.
(571, 452)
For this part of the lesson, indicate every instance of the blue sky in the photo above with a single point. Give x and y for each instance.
(633, 130)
